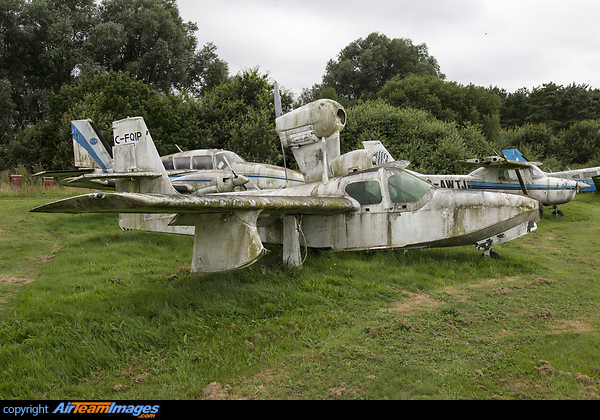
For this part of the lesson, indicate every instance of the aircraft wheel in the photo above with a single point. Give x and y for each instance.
(491, 254)
(558, 213)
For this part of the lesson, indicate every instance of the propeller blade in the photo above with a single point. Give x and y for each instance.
(279, 113)
(278, 109)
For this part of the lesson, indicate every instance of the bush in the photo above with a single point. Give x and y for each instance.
(431, 145)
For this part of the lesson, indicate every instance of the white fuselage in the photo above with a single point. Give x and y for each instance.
(397, 211)
(547, 190)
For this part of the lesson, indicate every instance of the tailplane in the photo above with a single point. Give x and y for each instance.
(137, 166)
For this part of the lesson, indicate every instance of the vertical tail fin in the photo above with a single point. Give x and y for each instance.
(514, 154)
(137, 165)
(379, 151)
(139, 169)
(89, 147)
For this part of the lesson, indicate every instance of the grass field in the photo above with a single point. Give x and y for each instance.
(88, 311)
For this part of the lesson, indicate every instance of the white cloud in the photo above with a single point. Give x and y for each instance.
(504, 43)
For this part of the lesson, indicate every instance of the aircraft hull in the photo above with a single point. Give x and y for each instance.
(446, 219)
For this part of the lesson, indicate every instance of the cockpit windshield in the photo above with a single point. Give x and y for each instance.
(224, 159)
(536, 173)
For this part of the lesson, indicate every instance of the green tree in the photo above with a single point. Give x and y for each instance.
(364, 66)
(431, 145)
(148, 39)
(6, 118)
(239, 115)
(46, 44)
(580, 144)
(515, 108)
(41, 45)
(557, 106)
(103, 98)
(447, 101)
(536, 141)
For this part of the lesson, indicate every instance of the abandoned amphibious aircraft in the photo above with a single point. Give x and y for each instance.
(347, 203)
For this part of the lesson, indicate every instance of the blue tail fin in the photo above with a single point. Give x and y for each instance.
(89, 147)
(514, 154)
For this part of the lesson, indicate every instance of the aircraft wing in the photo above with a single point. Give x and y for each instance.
(185, 204)
(498, 162)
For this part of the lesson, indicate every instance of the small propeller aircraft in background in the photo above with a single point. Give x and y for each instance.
(496, 173)
(347, 203)
(201, 171)
(590, 176)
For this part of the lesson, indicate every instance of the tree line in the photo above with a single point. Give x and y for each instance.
(74, 59)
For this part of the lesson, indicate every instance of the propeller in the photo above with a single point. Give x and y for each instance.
(279, 113)
(239, 180)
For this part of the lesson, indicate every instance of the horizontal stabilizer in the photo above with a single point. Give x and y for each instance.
(212, 203)
(122, 175)
(65, 174)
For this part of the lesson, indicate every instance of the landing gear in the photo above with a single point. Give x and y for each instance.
(487, 250)
(488, 253)
(556, 211)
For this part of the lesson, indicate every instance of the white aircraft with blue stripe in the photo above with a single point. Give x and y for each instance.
(197, 172)
(590, 176)
(495, 173)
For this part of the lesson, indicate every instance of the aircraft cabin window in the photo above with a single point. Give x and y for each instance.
(202, 162)
(366, 192)
(168, 164)
(182, 163)
(507, 175)
(405, 188)
(480, 172)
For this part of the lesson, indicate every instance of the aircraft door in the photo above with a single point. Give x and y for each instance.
(367, 228)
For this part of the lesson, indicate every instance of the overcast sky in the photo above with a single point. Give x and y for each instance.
(506, 43)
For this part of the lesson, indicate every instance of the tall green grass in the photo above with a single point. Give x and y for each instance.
(117, 314)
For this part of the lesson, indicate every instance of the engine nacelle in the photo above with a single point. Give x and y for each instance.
(311, 122)
(313, 133)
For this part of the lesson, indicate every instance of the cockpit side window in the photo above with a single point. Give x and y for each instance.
(202, 162)
(406, 188)
(480, 172)
(168, 164)
(182, 163)
(507, 175)
(365, 192)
